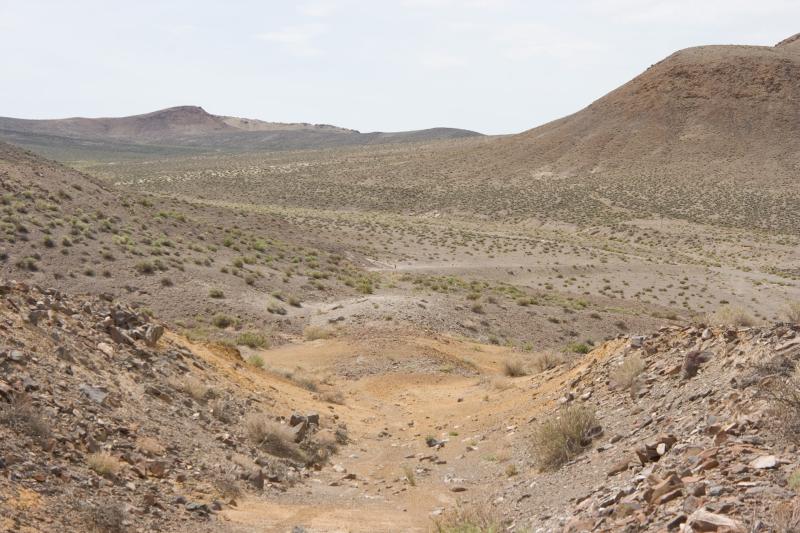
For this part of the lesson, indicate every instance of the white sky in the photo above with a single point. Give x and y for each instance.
(496, 66)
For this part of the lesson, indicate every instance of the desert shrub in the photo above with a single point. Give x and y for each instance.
(578, 347)
(256, 361)
(216, 293)
(104, 463)
(28, 263)
(336, 397)
(306, 382)
(222, 321)
(472, 518)
(149, 446)
(312, 333)
(564, 435)
(272, 437)
(145, 267)
(514, 368)
(224, 410)
(252, 339)
(320, 447)
(276, 309)
(624, 376)
(546, 360)
(22, 416)
(731, 315)
(193, 387)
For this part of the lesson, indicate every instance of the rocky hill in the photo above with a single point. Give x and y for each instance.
(107, 425)
(714, 113)
(189, 130)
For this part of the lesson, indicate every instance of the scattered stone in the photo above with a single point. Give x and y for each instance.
(764, 462)
(702, 520)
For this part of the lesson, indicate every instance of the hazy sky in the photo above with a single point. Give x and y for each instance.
(496, 66)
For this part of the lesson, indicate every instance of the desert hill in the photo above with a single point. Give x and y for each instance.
(189, 130)
(711, 112)
(709, 134)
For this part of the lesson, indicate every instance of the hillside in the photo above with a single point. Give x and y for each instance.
(188, 263)
(711, 113)
(709, 135)
(188, 130)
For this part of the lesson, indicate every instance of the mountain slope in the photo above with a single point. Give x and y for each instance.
(709, 112)
(188, 130)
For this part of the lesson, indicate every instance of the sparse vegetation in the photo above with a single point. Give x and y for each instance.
(252, 339)
(192, 386)
(21, 415)
(469, 518)
(222, 321)
(731, 315)
(625, 375)
(334, 396)
(563, 436)
(312, 333)
(546, 360)
(272, 437)
(256, 361)
(514, 368)
(104, 463)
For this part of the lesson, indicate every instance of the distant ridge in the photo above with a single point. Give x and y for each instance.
(183, 130)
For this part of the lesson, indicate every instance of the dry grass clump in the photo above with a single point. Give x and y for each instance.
(104, 463)
(320, 448)
(498, 383)
(469, 518)
(336, 397)
(272, 437)
(256, 361)
(312, 333)
(222, 320)
(793, 312)
(563, 436)
(224, 410)
(150, 446)
(252, 339)
(22, 416)
(624, 376)
(193, 387)
(514, 368)
(546, 360)
(731, 315)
